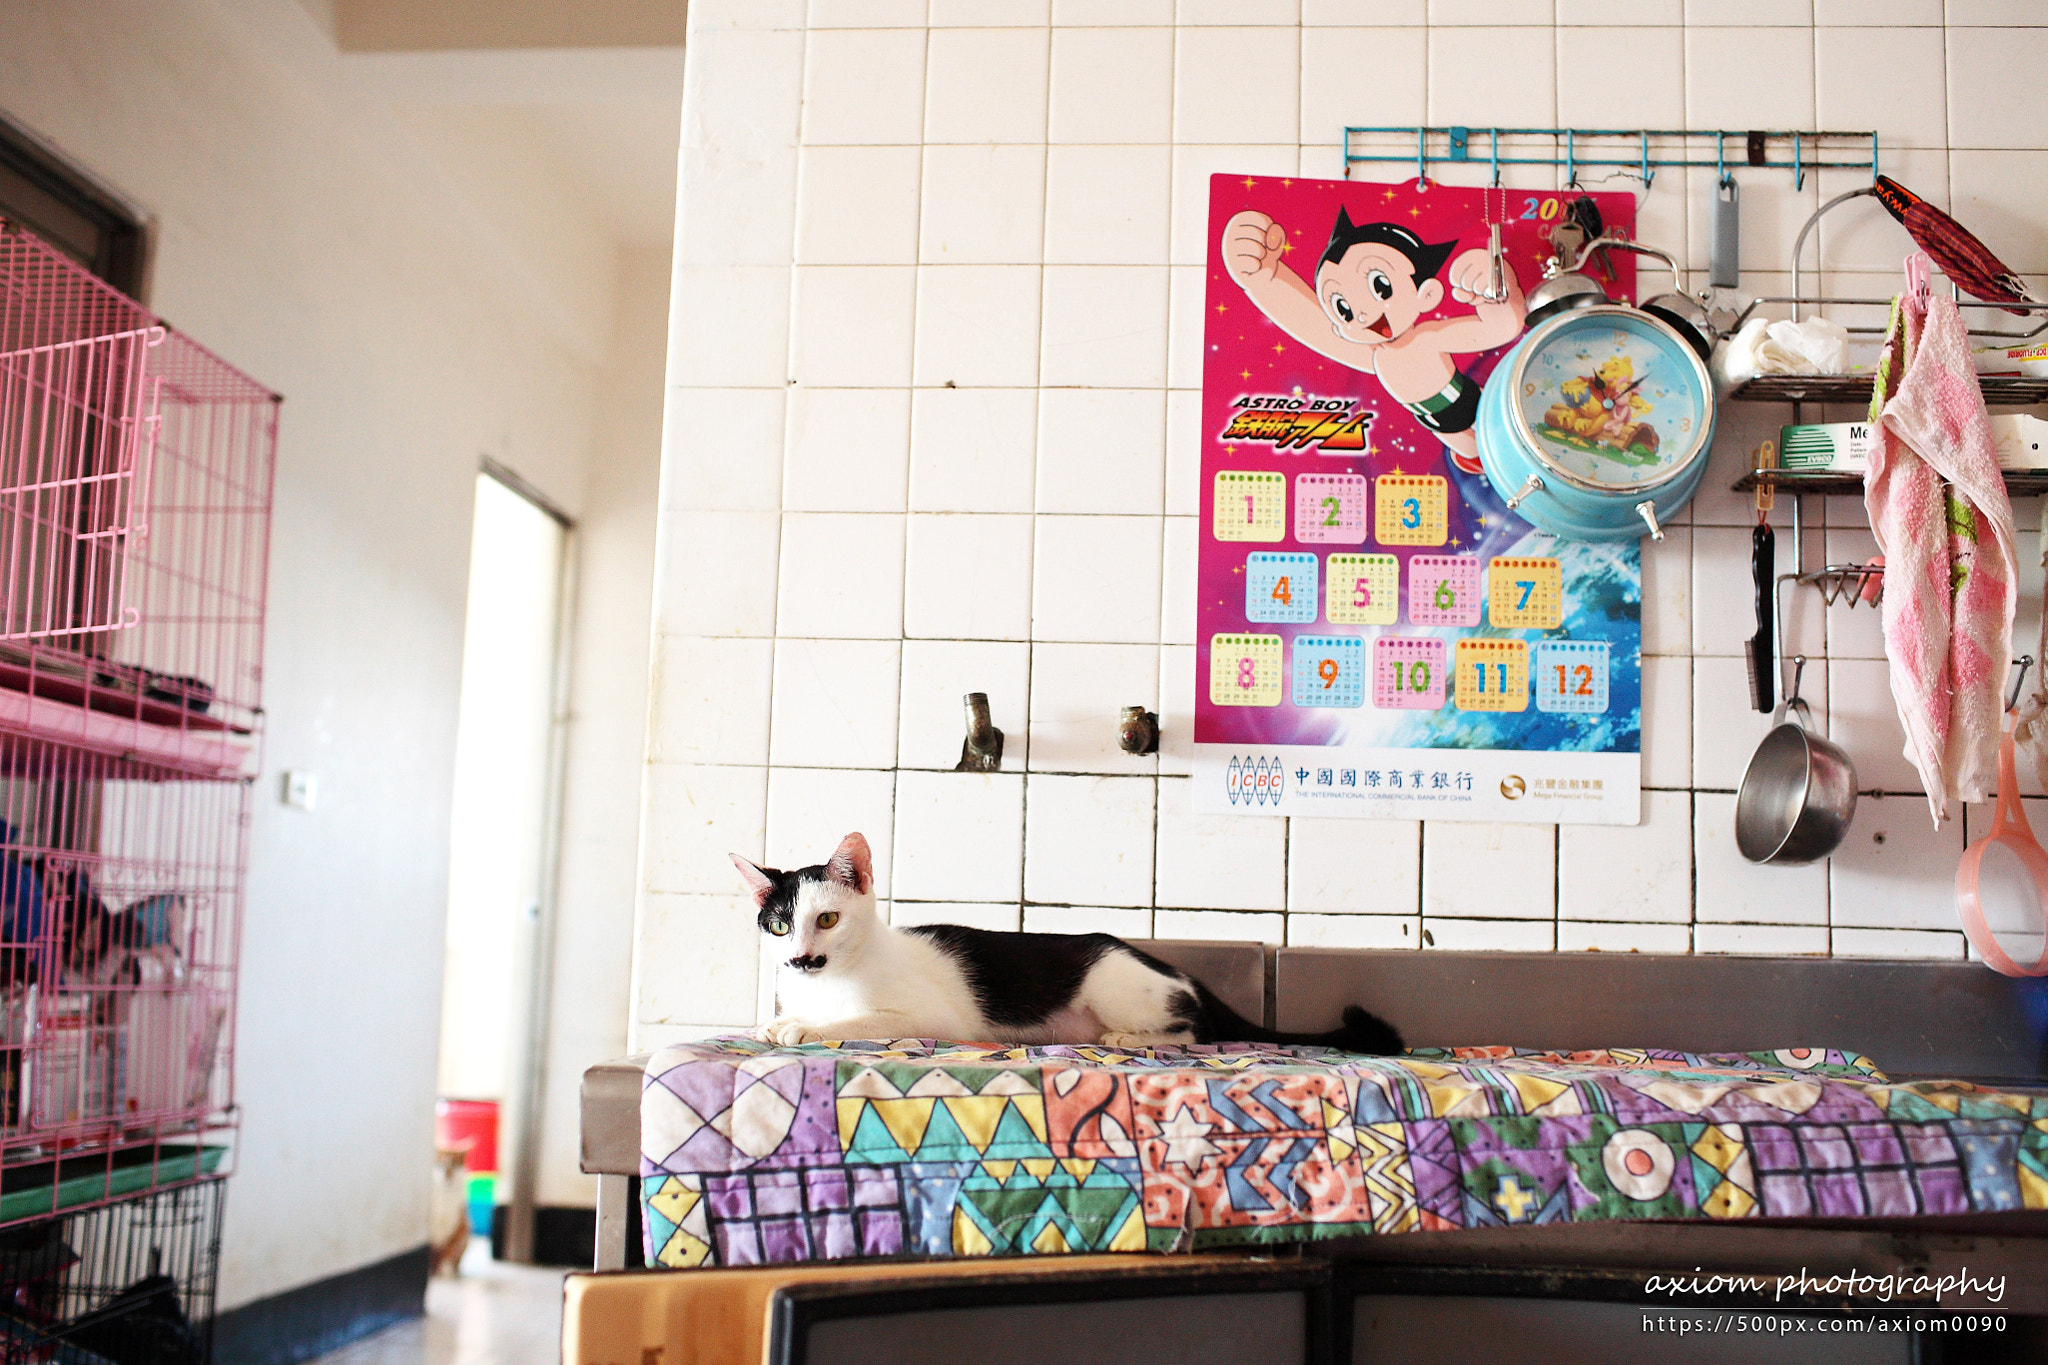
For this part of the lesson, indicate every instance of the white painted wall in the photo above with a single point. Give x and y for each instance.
(607, 722)
(306, 235)
(934, 371)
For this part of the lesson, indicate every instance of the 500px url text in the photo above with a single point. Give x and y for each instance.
(1786, 1324)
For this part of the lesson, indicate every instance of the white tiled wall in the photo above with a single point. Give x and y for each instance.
(932, 429)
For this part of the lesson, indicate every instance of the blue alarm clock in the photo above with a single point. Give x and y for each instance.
(1597, 424)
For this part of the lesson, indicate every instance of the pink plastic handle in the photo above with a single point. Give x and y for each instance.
(1918, 266)
(2008, 827)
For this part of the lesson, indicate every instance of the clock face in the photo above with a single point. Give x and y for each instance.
(1612, 399)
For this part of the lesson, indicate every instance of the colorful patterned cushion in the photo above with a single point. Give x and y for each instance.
(754, 1154)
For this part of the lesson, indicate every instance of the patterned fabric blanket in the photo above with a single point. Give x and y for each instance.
(755, 1154)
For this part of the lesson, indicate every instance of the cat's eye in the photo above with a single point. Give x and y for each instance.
(828, 919)
(779, 927)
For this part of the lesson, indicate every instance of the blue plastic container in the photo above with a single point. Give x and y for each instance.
(21, 893)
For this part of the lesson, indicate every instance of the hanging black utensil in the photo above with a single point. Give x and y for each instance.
(1763, 657)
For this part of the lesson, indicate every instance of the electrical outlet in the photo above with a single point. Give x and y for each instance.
(300, 789)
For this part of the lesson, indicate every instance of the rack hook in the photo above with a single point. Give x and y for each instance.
(2023, 663)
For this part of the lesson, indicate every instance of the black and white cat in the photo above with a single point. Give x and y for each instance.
(846, 974)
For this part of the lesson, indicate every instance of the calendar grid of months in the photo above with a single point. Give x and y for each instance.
(1443, 590)
(1411, 509)
(1516, 592)
(1281, 586)
(1364, 590)
(1525, 592)
(1580, 671)
(1331, 509)
(1329, 670)
(1244, 670)
(1488, 674)
(1492, 675)
(1251, 504)
(1408, 673)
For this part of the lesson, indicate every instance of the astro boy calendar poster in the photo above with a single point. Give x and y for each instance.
(1377, 635)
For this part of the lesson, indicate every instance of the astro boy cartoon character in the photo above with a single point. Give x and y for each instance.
(1372, 287)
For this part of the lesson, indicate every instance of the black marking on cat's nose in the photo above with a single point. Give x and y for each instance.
(810, 962)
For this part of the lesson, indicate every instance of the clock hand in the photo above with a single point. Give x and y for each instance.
(1610, 402)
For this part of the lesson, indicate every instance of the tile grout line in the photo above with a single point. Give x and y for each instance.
(1557, 878)
(1692, 900)
(1173, 190)
(1037, 435)
(764, 981)
(903, 588)
(1286, 822)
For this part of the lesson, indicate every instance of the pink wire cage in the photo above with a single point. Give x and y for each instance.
(135, 490)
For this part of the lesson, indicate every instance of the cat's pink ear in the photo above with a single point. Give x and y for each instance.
(852, 866)
(758, 882)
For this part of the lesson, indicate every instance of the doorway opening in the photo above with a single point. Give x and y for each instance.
(503, 853)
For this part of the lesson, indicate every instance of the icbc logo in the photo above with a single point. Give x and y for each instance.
(1255, 781)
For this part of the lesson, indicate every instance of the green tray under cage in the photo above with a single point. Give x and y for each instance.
(29, 1192)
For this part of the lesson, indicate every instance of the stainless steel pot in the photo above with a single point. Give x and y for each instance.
(1798, 794)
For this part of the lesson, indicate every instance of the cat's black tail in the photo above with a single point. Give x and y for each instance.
(1362, 1032)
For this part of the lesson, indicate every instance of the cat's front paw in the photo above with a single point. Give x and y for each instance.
(784, 1033)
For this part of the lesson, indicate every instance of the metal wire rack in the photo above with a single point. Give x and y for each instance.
(132, 1284)
(1862, 583)
(135, 491)
(1848, 583)
(1999, 390)
(120, 915)
(77, 420)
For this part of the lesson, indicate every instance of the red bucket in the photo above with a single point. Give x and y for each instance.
(469, 1121)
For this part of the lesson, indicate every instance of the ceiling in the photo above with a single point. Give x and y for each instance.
(589, 94)
(455, 25)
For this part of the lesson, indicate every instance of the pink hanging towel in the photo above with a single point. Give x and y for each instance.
(1938, 508)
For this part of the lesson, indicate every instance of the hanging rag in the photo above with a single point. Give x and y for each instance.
(1939, 511)
(2030, 728)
